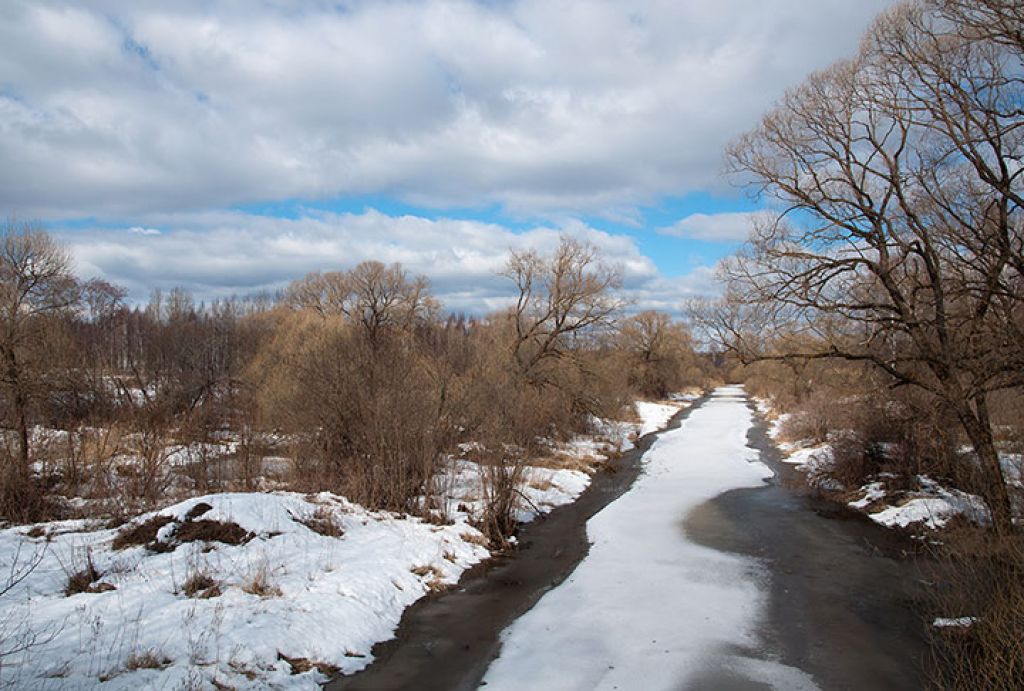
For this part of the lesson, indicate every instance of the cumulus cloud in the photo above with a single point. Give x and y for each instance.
(232, 253)
(723, 227)
(118, 107)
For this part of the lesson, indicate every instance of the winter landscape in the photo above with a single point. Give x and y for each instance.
(457, 344)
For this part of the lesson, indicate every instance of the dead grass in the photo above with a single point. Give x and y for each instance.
(149, 659)
(260, 583)
(141, 533)
(979, 575)
(433, 577)
(226, 532)
(301, 665)
(189, 530)
(323, 522)
(85, 579)
(201, 585)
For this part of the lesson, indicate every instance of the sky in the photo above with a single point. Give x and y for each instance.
(231, 146)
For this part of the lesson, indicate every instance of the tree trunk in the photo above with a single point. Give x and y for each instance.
(979, 430)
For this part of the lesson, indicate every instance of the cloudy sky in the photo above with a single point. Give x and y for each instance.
(230, 146)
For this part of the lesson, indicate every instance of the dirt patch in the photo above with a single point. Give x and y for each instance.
(140, 533)
(187, 530)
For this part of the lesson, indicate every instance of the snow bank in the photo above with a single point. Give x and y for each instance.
(288, 592)
(315, 582)
(648, 608)
(655, 416)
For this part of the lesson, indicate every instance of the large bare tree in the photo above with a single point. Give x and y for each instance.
(900, 242)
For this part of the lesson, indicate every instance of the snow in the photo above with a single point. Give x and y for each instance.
(933, 508)
(648, 608)
(873, 492)
(954, 623)
(654, 416)
(327, 599)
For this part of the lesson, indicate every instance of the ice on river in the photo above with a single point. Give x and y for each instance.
(648, 608)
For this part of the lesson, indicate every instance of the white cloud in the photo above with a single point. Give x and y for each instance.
(222, 254)
(723, 227)
(586, 106)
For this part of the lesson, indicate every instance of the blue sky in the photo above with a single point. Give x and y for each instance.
(227, 146)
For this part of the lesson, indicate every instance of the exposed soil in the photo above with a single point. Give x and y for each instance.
(447, 641)
(841, 589)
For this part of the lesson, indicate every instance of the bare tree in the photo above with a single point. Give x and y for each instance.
(372, 295)
(560, 298)
(36, 284)
(660, 352)
(902, 239)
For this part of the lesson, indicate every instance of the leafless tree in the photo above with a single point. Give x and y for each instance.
(36, 284)
(660, 353)
(560, 298)
(901, 240)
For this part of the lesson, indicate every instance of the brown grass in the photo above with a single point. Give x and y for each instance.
(323, 522)
(226, 532)
(260, 583)
(149, 659)
(84, 579)
(980, 575)
(301, 665)
(141, 533)
(201, 585)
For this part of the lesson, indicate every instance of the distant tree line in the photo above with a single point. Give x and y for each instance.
(358, 378)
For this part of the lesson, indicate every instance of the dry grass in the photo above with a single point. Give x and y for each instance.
(226, 532)
(149, 659)
(324, 522)
(189, 530)
(301, 665)
(979, 575)
(433, 577)
(84, 579)
(201, 585)
(141, 533)
(260, 582)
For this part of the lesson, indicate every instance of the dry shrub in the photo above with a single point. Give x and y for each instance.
(502, 477)
(854, 461)
(979, 574)
(377, 409)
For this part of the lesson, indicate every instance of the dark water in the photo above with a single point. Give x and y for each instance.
(841, 589)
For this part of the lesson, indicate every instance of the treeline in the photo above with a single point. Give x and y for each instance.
(357, 379)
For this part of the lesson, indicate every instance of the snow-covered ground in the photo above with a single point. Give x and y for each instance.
(648, 608)
(930, 505)
(312, 583)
